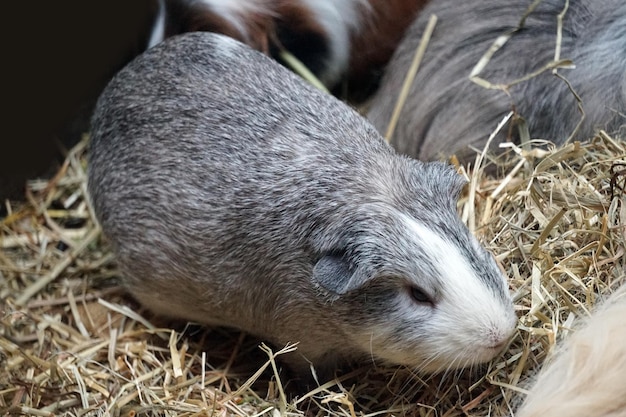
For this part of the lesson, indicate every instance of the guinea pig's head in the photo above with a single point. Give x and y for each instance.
(413, 285)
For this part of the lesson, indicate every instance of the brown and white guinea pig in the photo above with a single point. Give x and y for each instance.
(236, 194)
(586, 376)
(333, 38)
(446, 113)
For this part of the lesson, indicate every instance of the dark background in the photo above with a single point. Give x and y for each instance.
(56, 58)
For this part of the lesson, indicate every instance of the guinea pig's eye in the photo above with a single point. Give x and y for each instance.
(419, 295)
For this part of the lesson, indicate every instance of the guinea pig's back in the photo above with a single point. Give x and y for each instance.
(205, 153)
(603, 59)
(447, 113)
(201, 99)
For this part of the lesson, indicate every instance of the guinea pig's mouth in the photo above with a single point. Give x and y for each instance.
(461, 360)
(497, 347)
(487, 353)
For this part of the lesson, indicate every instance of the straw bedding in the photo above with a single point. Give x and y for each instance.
(73, 343)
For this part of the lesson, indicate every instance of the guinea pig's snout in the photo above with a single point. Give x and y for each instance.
(496, 343)
(498, 336)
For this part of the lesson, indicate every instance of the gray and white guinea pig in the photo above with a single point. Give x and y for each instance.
(586, 376)
(236, 194)
(446, 113)
(335, 39)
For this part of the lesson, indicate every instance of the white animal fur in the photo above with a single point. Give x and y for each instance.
(466, 289)
(587, 374)
(339, 19)
(158, 29)
(235, 12)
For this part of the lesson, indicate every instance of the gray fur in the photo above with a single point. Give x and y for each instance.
(236, 194)
(446, 112)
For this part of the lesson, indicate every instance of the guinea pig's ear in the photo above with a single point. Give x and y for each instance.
(334, 273)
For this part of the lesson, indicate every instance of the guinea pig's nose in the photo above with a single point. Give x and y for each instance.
(497, 339)
(499, 344)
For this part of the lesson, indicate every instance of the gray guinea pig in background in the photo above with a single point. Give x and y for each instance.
(445, 111)
(236, 194)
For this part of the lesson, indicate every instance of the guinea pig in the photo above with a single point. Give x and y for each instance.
(446, 113)
(335, 39)
(585, 377)
(236, 194)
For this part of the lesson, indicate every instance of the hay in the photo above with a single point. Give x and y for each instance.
(73, 343)
(410, 76)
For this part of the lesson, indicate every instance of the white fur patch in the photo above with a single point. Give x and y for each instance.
(468, 322)
(586, 374)
(236, 12)
(468, 304)
(158, 29)
(339, 18)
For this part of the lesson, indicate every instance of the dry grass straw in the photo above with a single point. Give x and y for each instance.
(410, 76)
(73, 343)
(299, 68)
